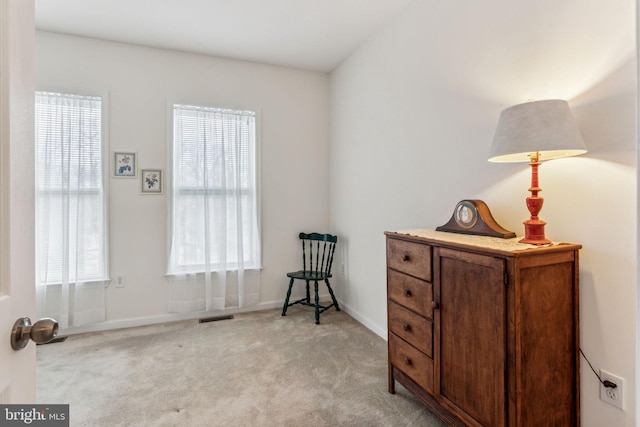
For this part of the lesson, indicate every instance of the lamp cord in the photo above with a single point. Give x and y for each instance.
(605, 383)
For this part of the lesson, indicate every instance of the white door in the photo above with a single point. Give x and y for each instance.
(17, 266)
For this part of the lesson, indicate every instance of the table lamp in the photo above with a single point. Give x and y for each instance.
(533, 132)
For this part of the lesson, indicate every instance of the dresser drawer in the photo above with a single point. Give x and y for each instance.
(410, 361)
(412, 328)
(409, 292)
(408, 257)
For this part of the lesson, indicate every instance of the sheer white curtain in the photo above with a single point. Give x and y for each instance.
(214, 257)
(71, 255)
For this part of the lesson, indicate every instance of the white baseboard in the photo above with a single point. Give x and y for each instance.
(162, 318)
(382, 333)
(175, 317)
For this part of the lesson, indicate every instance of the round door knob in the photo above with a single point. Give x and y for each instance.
(405, 258)
(406, 327)
(435, 305)
(407, 293)
(408, 361)
(42, 331)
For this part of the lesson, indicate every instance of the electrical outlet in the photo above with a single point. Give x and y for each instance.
(120, 282)
(613, 396)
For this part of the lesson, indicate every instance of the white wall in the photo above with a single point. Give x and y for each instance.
(140, 81)
(412, 118)
(412, 114)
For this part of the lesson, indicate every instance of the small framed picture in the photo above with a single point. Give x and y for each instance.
(125, 164)
(151, 181)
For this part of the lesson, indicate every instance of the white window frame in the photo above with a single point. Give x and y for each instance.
(104, 98)
(173, 267)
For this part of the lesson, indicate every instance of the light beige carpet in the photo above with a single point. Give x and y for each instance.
(259, 369)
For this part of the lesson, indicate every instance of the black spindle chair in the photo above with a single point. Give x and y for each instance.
(317, 258)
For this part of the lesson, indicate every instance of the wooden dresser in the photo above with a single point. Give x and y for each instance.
(484, 331)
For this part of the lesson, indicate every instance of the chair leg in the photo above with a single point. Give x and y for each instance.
(286, 301)
(333, 297)
(315, 288)
(308, 294)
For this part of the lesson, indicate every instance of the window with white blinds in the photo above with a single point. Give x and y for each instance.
(214, 221)
(70, 205)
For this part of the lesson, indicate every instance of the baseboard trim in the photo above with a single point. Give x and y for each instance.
(382, 333)
(177, 317)
(162, 318)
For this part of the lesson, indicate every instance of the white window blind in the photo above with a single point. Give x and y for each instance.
(70, 216)
(214, 225)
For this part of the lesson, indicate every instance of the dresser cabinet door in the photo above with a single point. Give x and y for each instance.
(470, 336)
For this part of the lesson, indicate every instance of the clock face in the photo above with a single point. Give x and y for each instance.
(466, 214)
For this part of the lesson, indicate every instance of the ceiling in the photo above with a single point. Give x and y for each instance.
(307, 34)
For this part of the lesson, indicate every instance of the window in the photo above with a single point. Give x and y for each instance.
(70, 196)
(214, 221)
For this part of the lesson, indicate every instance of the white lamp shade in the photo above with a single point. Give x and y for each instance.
(547, 127)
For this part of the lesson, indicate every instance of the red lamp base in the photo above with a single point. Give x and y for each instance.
(534, 226)
(534, 232)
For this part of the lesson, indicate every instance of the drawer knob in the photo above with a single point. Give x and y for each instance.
(407, 293)
(405, 257)
(406, 327)
(435, 305)
(408, 361)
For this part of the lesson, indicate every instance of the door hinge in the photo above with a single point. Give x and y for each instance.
(506, 278)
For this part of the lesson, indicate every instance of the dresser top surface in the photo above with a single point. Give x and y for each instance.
(505, 246)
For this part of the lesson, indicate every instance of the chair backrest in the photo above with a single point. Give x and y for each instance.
(317, 252)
